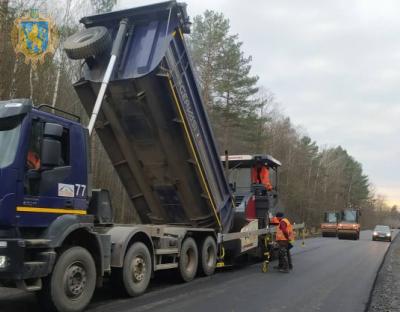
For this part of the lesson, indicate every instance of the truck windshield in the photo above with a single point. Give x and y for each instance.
(9, 136)
(350, 216)
(331, 217)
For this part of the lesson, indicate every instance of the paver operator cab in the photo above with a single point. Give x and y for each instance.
(254, 182)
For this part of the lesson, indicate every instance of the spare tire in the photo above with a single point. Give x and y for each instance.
(88, 42)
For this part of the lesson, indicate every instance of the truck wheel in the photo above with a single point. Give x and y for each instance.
(208, 256)
(137, 269)
(88, 42)
(188, 260)
(71, 285)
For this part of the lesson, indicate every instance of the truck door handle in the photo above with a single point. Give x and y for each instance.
(68, 204)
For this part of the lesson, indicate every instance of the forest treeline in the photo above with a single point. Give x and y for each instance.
(245, 116)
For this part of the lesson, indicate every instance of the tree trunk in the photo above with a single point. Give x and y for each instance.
(3, 39)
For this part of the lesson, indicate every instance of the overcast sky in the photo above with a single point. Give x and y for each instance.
(335, 68)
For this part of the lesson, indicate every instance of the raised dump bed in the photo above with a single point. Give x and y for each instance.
(153, 123)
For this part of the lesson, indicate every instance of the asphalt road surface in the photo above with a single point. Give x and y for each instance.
(329, 275)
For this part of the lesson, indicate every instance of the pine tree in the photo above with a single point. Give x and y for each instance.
(209, 32)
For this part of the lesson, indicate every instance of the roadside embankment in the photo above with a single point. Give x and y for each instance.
(385, 295)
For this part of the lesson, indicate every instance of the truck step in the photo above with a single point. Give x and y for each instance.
(37, 243)
(34, 269)
(166, 266)
(167, 251)
(32, 286)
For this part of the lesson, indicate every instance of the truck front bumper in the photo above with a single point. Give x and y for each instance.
(17, 262)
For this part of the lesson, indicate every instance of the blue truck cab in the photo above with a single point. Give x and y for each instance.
(43, 189)
(44, 169)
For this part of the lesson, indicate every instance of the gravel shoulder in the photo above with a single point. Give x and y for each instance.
(385, 295)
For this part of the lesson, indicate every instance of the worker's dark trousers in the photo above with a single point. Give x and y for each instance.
(285, 259)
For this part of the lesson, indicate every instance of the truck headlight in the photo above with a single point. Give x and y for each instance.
(387, 234)
(3, 262)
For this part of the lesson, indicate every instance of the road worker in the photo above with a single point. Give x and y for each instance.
(284, 237)
(260, 175)
(33, 160)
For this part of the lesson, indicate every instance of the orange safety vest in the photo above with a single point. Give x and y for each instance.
(33, 161)
(279, 233)
(264, 177)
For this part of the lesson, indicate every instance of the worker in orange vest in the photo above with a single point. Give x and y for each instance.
(33, 160)
(284, 237)
(260, 175)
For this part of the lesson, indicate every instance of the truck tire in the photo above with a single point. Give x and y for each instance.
(71, 285)
(208, 256)
(188, 260)
(88, 42)
(137, 269)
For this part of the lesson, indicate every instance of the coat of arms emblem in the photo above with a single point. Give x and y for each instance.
(34, 36)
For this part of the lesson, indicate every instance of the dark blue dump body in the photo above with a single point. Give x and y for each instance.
(153, 123)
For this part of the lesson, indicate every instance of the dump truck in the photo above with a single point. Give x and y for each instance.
(329, 226)
(57, 233)
(349, 224)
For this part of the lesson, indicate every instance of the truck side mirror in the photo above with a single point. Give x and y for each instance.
(53, 130)
(51, 145)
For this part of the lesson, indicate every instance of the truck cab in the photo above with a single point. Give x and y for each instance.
(329, 225)
(45, 164)
(44, 202)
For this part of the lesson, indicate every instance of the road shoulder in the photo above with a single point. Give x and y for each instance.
(385, 295)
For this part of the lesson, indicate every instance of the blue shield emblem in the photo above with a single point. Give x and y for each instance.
(34, 36)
